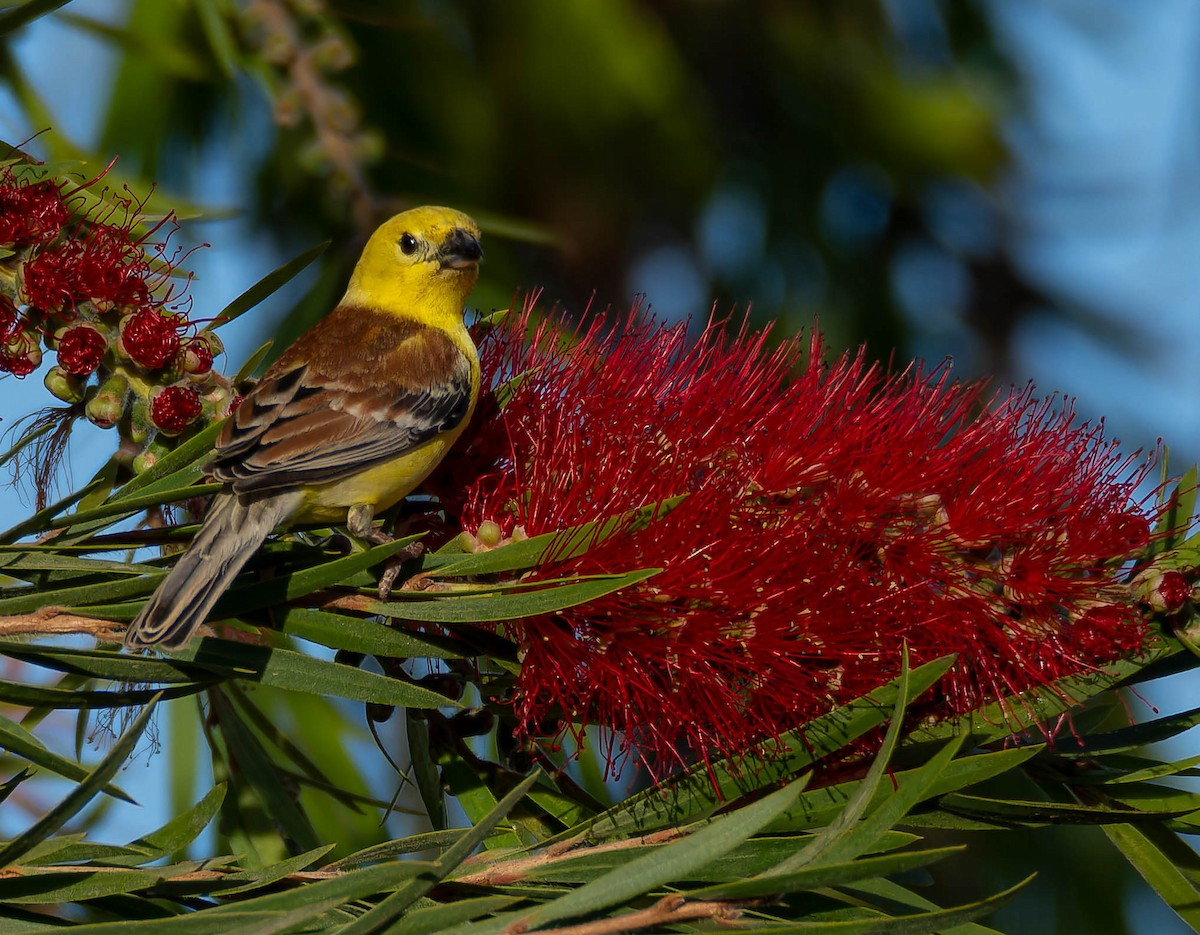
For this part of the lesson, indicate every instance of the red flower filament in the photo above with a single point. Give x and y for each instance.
(829, 517)
(151, 338)
(29, 212)
(175, 408)
(81, 349)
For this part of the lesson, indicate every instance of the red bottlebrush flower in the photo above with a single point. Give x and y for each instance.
(106, 267)
(29, 212)
(151, 338)
(174, 408)
(829, 517)
(81, 349)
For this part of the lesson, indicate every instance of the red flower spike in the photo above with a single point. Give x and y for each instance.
(80, 349)
(30, 213)
(830, 516)
(151, 338)
(174, 408)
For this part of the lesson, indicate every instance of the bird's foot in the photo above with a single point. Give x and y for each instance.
(391, 571)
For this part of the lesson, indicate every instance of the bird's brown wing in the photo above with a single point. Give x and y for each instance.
(315, 418)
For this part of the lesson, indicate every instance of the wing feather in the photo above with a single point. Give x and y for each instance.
(302, 425)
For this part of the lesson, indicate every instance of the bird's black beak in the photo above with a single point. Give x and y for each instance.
(461, 249)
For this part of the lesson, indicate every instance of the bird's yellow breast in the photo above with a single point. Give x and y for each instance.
(380, 486)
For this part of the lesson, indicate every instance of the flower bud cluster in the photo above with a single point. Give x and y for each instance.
(87, 285)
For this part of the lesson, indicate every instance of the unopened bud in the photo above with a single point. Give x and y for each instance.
(107, 406)
(66, 386)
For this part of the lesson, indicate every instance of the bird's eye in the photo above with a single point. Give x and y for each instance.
(408, 244)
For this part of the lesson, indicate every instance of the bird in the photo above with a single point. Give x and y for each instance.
(346, 422)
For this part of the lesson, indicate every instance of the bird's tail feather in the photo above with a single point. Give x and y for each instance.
(232, 531)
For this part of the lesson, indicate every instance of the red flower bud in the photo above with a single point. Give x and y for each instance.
(81, 349)
(150, 338)
(196, 357)
(175, 408)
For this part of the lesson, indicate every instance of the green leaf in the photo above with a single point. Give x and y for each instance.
(674, 862)
(70, 597)
(244, 598)
(114, 666)
(548, 547)
(261, 774)
(442, 916)
(823, 875)
(54, 885)
(820, 806)
(428, 840)
(1133, 737)
(189, 454)
(252, 363)
(339, 631)
(293, 671)
(392, 906)
(245, 881)
(424, 769)
(127, 506)
(79, 797)
(1022, 812)
(180, 831)
(37, 696)
(835, 837)
(16, 740)
(220, 38)
(41, 518)
(1176, 519)
(1170, 867)
(266, 286)
(483, 609)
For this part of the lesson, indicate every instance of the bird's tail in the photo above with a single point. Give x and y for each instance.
(232, 531)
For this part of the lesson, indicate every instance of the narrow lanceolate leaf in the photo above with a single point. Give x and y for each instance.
(293, 671)
(1011, 810)
(551, 546)
(387, 911)
(918, 923)
(255, 767)
(339, 631)
(1165, 862)
(822, 875)
(39, 520)
(114, 666)
(118, 589)
(17, 741)
(192, 452)
(243, 598)
(180, 831)
(267, 286)
(35, 696)
(676, 861)
(526, 603)
(117, 509)
(833, 838)
(79, 797)
(1133, 737)
(699, 790)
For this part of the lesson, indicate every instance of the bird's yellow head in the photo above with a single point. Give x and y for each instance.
(422, 263)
